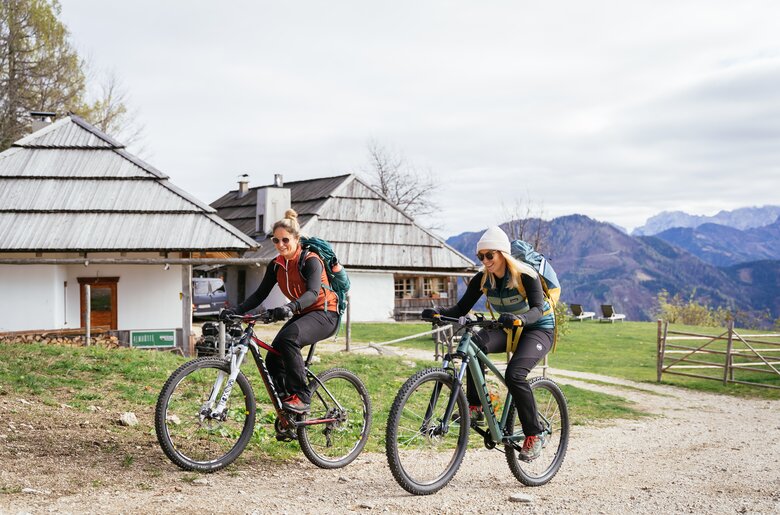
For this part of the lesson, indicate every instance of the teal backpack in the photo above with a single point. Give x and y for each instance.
(337, 276)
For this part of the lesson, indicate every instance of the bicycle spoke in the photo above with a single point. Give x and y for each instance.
(422, 456)
(187, 429)
(553, 413)
(336, 443)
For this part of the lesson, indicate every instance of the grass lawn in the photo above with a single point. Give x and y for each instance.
(117, 380)
(623, 349)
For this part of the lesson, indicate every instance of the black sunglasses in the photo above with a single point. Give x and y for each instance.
(487, 255)
(277, 240)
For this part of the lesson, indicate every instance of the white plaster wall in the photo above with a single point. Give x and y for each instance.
(372, 296)
(148, 297)
(254, 276)
(32, 297)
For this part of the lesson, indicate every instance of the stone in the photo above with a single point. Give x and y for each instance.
(128, 419)
(521, 498)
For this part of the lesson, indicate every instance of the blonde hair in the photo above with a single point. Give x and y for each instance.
(289, 223)
(515, 268)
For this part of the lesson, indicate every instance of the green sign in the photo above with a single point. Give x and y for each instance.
(149, 339)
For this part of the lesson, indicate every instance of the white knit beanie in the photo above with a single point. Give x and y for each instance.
(494, 239)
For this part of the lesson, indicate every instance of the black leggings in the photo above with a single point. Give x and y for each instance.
(288, 370)
(533, 345)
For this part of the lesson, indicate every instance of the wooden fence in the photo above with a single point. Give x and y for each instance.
(728, 354)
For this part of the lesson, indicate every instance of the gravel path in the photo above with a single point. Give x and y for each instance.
(699, 453)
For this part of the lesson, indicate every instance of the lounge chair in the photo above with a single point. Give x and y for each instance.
(609, 314)
(579, 314)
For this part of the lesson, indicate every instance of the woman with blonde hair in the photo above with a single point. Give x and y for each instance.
(514, 290)
(311, 314)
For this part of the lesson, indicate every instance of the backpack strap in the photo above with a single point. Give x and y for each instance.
(306, 254)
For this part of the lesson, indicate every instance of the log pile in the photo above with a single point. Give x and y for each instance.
(71, 338)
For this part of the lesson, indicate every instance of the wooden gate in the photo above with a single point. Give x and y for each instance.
(720, 357)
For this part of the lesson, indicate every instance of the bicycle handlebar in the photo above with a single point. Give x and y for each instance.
(466, 321)
(264, 317)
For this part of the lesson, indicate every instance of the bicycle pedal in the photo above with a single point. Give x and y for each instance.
(285, 437)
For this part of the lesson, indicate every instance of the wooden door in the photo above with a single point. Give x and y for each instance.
(103, 301)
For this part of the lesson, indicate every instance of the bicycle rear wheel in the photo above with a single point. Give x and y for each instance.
(343, 399)
(423, 457)
(188, 434)
(554, 416)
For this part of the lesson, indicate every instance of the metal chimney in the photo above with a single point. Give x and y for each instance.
(278, 180)
(41, 119)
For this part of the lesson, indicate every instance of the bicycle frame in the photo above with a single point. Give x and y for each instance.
(472, 358)
(237, 353)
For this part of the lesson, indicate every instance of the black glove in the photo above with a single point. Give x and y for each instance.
(281, 313)
(508, 320)
(225, 314)
(429, 313)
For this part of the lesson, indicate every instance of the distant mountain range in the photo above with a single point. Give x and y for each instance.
(742, 218)
(599, 264)
(720, 245)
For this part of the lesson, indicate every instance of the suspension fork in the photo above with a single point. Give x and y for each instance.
(236, 359)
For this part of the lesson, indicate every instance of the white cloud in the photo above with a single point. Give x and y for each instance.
(616, 110)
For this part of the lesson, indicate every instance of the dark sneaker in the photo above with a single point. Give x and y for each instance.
(532, 447)
(295, 404)
(476, 415)
(286, 436)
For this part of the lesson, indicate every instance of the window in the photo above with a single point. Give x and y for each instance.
(404, 288)
(434, 286)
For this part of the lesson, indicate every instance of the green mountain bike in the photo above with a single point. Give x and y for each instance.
(428, 426)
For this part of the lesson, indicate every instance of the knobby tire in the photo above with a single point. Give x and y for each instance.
(423, 458)
(554, 414)
(189, 440)
(336, 444)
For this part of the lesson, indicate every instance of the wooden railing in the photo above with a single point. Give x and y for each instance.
(727, 354)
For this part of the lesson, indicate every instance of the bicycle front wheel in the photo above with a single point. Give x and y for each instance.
(336, 429)
(554, 417)
(190, 434)
(424, 455)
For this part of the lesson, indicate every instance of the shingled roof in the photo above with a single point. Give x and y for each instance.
(70, 187)
(366, 230)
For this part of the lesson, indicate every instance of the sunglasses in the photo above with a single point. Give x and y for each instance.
(277, 240)
(486, 255)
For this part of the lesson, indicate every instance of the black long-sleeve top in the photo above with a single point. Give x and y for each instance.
(533, 292)
(312, 273)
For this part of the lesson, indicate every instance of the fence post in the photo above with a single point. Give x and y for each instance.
(348, 337)
(662, 346)
(221, 343)
(658, 354)
(727, 366)
(88, 307)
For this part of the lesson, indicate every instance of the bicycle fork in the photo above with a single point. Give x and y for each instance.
(444, 427)
(219, 412)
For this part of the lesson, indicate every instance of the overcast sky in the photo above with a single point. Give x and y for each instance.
(613, 109)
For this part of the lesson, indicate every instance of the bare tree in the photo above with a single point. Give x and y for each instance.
(402, 183)
(524, 222)
(109, 112)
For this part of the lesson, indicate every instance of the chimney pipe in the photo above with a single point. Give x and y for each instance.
(278, 180)
(41, 119)
(243, 185)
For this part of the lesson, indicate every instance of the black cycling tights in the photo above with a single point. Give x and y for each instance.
(533, 345)
(300, 331)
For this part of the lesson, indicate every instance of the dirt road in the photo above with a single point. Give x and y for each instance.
(700, 453)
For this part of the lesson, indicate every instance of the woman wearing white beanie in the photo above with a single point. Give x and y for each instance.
(513, 289)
